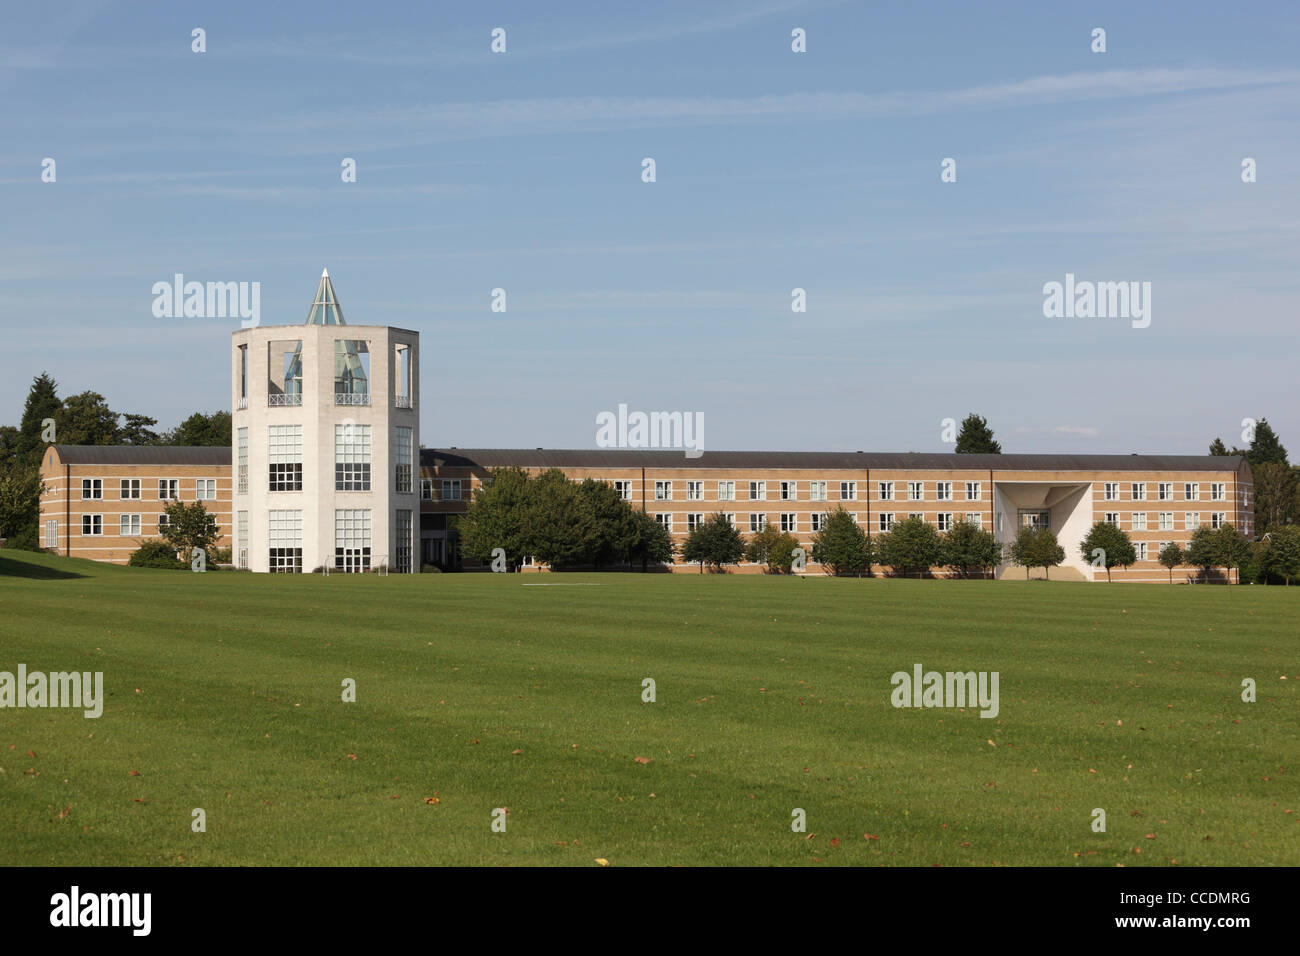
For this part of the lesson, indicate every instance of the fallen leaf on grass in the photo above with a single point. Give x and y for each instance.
(63, 814)
(514, 752)
(432, 800)
(835, 841)
(642, 760)
(602, 861)
(133, 773)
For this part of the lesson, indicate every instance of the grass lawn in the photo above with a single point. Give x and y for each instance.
(224, 692)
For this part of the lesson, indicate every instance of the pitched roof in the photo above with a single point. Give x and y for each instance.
(815, 460)
(143, 454)
(325, 308)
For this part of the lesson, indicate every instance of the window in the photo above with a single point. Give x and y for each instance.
(943, 490)
(945, 521)
(694, 521)
(243, 373)
(284, 457)
(789, 491)
(848, 491)
(914, 491)
(426, 489)
(730, 518)
(694, 491)
(1192, 520)
(130, 526)
(163, 522)
(886, 522)
(205, 489)
(403, 446)
(351, 540)
(451, 489)
(975, 518)
(241, 444)
(1218, 491)
(402, 557)
(241, 534)
(726, 491)
(1165, 491)
(663, 491)
(1192, 491)
(789, 522)
(52, 534)
(1111, 491)
(757, 522)
(402, 375)
(1218, 519)
(624, 489)
(1139, 521)
(1166, 519)
(1141, 548)
(886, 491)
(168, 489)
(917, 515)
(973, 491)
(1139, 490)
(816, 491)
(666, 521)
(818, 520)
(351, 372)
(1112, 517)
(130, 489)
(757, 490)
(92, 488)
(284, 539)
(92, 524)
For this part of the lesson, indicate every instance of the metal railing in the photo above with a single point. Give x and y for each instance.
(402, 401)
(348, 398)
(282, 399)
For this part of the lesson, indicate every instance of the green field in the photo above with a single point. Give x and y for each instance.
(224, 692)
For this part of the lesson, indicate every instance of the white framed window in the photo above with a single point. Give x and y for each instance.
(1166, 521)
(757, 522)
(1218, 519)
(915, 491)
(1112, 517)
(351, 457)
(624, 489)
(169, 489)
(663, 491)
(789, 521)
(163, 522)
(130, 489)
(402, 539)
(52, 533)
(726, 491)
(92, 525)
(241, 458)
(1138, 489)
(816, 491)
(1165, 491)
(205, 489)
(973, 491)
(818, 520)
(943, 491)
(404, 464)
(241, 534)
(1139, 521)
(730, 518)
(916, 514)
(129, 526)
(451, 489)
(1192, 491)
(284, 541)
(885, 522)
(1141, 548)
(352, 540)
(694, 520)
(975, 518)
(1218, 491)
(284, 459)
(945, 521)
(666, 520)
(848, 491)
(92, 489)
(426, 489)
(757, 490)
(1111, 491)
(1192, 520)
(694, 491)
(886, 490)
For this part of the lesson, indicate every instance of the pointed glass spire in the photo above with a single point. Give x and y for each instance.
(325, 309)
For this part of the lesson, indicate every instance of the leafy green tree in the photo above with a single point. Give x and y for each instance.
(189, 526)
(1036, 548)
(968, 547)
(496, 518)
(8, 446)
(1277, 495)
(607, 524)
(772, 548)
(138, 430)
(1265, 446)
(976, 438)
(1231, 548)
(1116, 547)
(1201, 551)
(1281, 556)
(558, 530)
(1020, 551)
(651, 543)
(841, 545)
(715, 543)
(154, 553)
(86, 419)
(42, 403)
(1171, 556)
(911, 545)
(20, 498)
(200, 429)
(1217, 447)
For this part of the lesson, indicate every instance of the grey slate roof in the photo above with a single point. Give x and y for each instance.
(144, 454)
(814, 460)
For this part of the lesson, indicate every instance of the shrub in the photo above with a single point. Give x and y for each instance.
(715, 542)
(969, 547)
(841, 545)
(153, 553)
(772, 548)
(430, 569)
(1115, 547)
(911, 545)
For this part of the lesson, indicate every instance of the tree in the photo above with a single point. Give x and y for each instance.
(1265, 446)
(138, 430)
(8, 446)
(200, 429)
(651, 542)
(1171, 556)
(1277, 495)
(968, 546)
(715, 542)
(1036, 548)
(1281, 555)
(1201, 551)
(189, 526)
(496, 518)
(841, 544)
(772, 548)
(1218, 448)
(976, 438)
(607, 523)
(86, 419)
(558, 530)
(1231, 548)
(911, 545)
(1116, 547)
(20, 496)
(42, 404)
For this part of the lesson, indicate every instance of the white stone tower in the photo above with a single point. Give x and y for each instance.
(326, 431)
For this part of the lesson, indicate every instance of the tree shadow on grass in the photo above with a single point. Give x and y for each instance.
(18, 568)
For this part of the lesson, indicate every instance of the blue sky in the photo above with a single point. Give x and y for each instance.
(775, 170)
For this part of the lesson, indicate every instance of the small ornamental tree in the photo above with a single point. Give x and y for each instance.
(772, 548)
(1201, 552)
(910, 545)
(842, 545)
(651, 542)
(1282, 553)
(968, 547)
(1020, 552)
(1115, 547)
(714, 543)
(495, 518)
(189, 526)
(1232, 549)
(1171, 556)
(1047, 551)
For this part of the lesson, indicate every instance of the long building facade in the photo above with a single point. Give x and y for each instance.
(325, 473)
